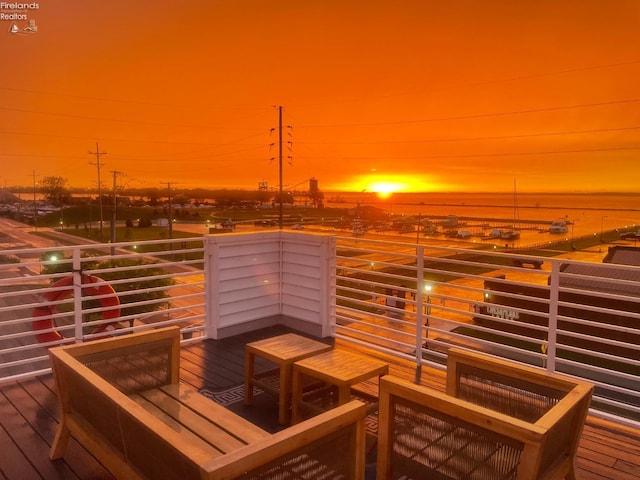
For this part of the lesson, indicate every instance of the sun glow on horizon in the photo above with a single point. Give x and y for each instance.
(385, 189)
(386, 184)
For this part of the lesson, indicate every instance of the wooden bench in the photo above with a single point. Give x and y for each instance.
(498, 420)
(121, 399)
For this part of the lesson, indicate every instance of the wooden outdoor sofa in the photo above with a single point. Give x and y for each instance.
(498, 420)
(121, 399)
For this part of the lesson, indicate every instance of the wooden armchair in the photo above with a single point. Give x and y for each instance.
(498, 420)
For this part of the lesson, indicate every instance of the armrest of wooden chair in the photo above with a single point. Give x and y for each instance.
(424, 433)
(329, 445)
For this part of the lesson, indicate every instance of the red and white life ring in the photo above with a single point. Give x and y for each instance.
(45, 312)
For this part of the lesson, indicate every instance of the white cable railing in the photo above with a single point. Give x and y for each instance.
(53, 296)
(411, 301)
(576, 318)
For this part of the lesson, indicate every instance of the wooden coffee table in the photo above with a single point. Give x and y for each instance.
(282, 350)
(336, 368)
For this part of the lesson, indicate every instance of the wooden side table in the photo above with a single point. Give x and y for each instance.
(282, 350)
(336, 368)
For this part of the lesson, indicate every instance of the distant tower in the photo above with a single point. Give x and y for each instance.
(315, 194)
(313, 187)
(263, 186)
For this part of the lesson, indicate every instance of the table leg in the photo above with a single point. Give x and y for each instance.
(296, 396)
(344, 394)
(249, 367)
(285, 395)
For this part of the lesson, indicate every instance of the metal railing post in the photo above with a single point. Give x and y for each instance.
(211, 253)
(77, 294)
(419, 299)
(554, 296)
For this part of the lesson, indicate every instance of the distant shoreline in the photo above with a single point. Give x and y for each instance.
(521, 207)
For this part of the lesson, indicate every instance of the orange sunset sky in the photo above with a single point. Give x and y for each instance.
(421, 95)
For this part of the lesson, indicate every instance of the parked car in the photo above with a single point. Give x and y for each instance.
(265, 223)
(630, 235)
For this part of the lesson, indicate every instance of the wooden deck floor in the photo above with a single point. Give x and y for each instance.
(29, 416)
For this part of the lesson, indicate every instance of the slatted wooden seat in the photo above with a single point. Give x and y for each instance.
(121, 399)
(498, 420)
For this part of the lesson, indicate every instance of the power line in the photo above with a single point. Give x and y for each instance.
(119, 120)
(461, 139)
(129, 140)
(479, 115)
(474, 155)
(368, 97)
(119, 100)
(468, 85)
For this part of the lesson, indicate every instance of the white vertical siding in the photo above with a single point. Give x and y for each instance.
(259, 275)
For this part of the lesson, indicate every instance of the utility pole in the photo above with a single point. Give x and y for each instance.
(97, 153)
(35, 208)
(280, 165)
(170, 210)
(115, 206)
(280, 214)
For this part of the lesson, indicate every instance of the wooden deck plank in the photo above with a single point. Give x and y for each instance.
(589, 470)
(13, 462)
(39, 406)
(37, 430)
(221, 364)
(29, 415)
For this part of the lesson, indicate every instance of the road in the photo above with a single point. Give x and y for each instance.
(15, 235)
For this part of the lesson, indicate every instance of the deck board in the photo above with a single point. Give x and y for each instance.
(29, 414)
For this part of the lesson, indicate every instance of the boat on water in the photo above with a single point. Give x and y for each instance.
(450, 221)
(559, 226)
(505, 233)
(510, 234)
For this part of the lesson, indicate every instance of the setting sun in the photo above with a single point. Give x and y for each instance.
(385, 189)
(386, 184)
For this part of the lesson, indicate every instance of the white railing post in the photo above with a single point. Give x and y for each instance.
(77, 293)
(419, 308)
(281, 272)
(211, 254)
(552, 332)
(328, 287)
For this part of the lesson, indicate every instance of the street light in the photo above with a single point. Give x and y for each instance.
(420, 345)
(601, 228)
(427, 290)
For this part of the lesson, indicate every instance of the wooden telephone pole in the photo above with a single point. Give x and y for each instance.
(98, 165)
(280, 176)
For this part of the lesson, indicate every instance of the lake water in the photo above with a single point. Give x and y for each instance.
(588, 214)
